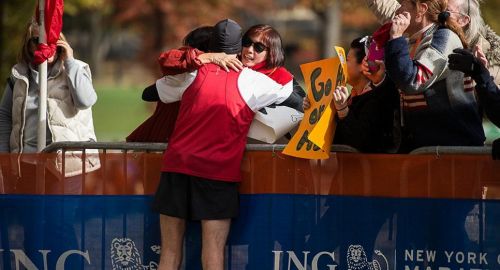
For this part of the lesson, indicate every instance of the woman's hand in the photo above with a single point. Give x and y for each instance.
(478, 52)
(67, 51)
(223, 60)
(399, 24)
(305, 103)
(376, 77)
(340, 97)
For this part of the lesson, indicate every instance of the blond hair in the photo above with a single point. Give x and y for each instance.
(434, 8)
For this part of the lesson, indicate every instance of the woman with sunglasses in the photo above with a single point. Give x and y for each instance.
(262, 51)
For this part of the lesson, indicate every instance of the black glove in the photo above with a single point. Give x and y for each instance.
(465, 61)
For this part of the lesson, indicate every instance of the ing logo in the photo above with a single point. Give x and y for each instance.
(357, 259)
(125, 256)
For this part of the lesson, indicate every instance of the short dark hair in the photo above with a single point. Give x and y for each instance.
(359, 47)
(272, 39)
(199, 38)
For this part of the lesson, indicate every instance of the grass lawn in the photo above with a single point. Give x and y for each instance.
(118, 112)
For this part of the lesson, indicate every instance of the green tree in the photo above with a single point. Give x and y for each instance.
(14, 17)
(490, 11)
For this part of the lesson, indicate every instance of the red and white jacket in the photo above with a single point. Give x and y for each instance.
(217, 108)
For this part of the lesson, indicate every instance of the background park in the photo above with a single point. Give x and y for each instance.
(121, 41)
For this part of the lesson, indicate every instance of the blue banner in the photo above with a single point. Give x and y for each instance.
(273, 231)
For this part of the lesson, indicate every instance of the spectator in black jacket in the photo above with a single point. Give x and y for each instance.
(486, 89)
(365, 116)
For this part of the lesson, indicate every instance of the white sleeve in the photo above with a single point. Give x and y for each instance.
(170, 88)
(259, 91)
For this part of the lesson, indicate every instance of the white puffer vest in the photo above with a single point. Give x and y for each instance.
(65, 121)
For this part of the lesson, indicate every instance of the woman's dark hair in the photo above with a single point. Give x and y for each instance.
(359, 47)
(272, 39)
(198, 38)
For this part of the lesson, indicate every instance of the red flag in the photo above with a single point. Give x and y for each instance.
(53, 26)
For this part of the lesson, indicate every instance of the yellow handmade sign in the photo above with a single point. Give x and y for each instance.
(314, 136)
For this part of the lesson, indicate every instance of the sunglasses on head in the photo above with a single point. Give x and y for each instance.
(257, 46)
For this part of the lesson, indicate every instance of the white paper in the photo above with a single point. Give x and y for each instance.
(275, 124)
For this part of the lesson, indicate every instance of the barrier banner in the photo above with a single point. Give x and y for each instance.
(273, 231)
(314, 136)
(350, 212)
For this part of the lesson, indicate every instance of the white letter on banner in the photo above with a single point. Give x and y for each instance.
(443, 268)
(277, 256)
(482, 258)
(65, 255)
(21, 258)
(431, 255)
(293, 257)
(459, 257)
(419, 256)
(408, 255)
(471, 258)
(498, 259)
(408, 268)
(448, 255)
(315, 260)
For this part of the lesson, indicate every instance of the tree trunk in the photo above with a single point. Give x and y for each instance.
(160, 27)
(331, 18)
(96, 53)
(3, 59)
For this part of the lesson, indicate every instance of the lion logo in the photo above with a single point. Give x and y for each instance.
(357, 260)
(124, 255)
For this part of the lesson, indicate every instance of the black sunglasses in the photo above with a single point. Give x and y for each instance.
(257, 46)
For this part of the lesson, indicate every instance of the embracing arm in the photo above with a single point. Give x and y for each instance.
(177, 61)
(295, 100)
(259, 91)
(171, 88)
(187, 59)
